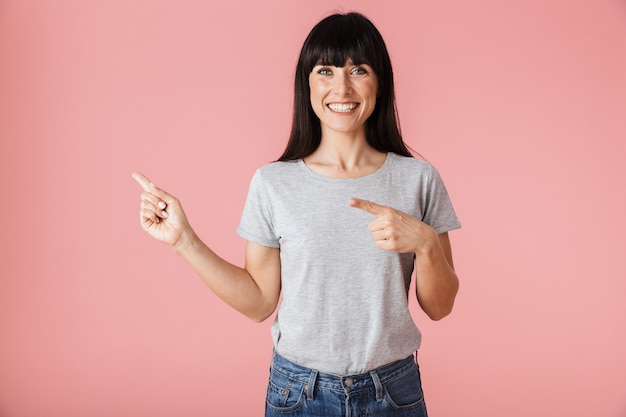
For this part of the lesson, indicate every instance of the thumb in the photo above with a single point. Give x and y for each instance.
(369, 206)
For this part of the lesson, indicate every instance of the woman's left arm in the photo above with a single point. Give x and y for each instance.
(437, 283)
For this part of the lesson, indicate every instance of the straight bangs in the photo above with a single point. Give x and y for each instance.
(336, 51)
(338, 39)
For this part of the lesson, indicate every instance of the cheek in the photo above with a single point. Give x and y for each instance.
(317, 89)
(374, 89)
(316, 97)
(317, 109)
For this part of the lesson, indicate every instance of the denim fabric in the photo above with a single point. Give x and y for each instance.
(394, 390)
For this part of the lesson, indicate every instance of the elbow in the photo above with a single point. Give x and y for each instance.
(261, 315)
(439, 313)
(441, 308)
(258, 318)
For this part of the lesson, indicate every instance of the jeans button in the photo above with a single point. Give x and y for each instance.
(348, 382)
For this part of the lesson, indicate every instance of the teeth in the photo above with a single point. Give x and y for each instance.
(343, 108)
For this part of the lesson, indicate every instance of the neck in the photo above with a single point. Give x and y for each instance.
(345, 156)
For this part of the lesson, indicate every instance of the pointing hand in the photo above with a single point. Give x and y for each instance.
(161, 214)
(396, 231)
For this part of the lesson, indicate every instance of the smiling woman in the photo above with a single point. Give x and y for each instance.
(343, 98)
(520, 104)
(354, 45)
(342, 262)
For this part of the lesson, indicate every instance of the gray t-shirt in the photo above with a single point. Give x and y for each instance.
(344, 307)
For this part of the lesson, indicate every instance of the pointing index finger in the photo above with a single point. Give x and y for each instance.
(142, 180)
(366, 205)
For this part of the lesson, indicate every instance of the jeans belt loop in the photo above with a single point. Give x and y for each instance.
(311, 385)
(378, 385)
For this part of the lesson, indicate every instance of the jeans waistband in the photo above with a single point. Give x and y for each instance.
(345, 383)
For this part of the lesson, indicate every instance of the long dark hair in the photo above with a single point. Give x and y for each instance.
(333, 41)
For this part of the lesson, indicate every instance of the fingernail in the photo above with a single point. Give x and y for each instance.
(164, 213)
(162, 205)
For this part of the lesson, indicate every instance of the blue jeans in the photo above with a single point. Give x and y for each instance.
(395, 390)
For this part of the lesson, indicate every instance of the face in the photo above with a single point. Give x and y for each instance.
(343, 98)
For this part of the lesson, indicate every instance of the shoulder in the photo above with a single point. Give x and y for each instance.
(276, 174)
(278, 168)
(411, 166)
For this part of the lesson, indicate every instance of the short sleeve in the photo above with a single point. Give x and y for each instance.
(438, 211)
(256, 223)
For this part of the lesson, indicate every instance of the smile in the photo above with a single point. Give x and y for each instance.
(342, 107)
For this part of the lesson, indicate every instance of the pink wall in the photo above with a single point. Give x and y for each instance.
(520, 104)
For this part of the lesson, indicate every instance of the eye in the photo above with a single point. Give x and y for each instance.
(359, 71)
(324, 71)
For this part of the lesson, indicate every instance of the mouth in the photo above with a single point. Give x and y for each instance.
(342, 107)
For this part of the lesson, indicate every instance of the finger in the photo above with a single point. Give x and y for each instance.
(142, 180)
(153, 200)
(147, 216)
(385, 245)
(369, 206)
(157, 207)
(379, 223)
(381, 235)
(147, 196)
(149, 187)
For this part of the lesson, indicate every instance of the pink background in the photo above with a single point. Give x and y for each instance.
(520, 104)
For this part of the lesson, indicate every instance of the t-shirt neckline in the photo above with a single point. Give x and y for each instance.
(373, 175)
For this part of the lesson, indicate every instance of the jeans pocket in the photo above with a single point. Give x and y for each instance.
(284, 394)
(405, 390)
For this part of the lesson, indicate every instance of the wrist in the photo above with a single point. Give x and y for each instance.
(430, 245)
(187, 241)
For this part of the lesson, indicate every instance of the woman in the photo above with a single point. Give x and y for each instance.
(338, 224)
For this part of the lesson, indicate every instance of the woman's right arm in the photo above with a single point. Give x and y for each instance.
(253, 290)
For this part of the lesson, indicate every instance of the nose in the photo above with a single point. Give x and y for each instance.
(342, 85)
